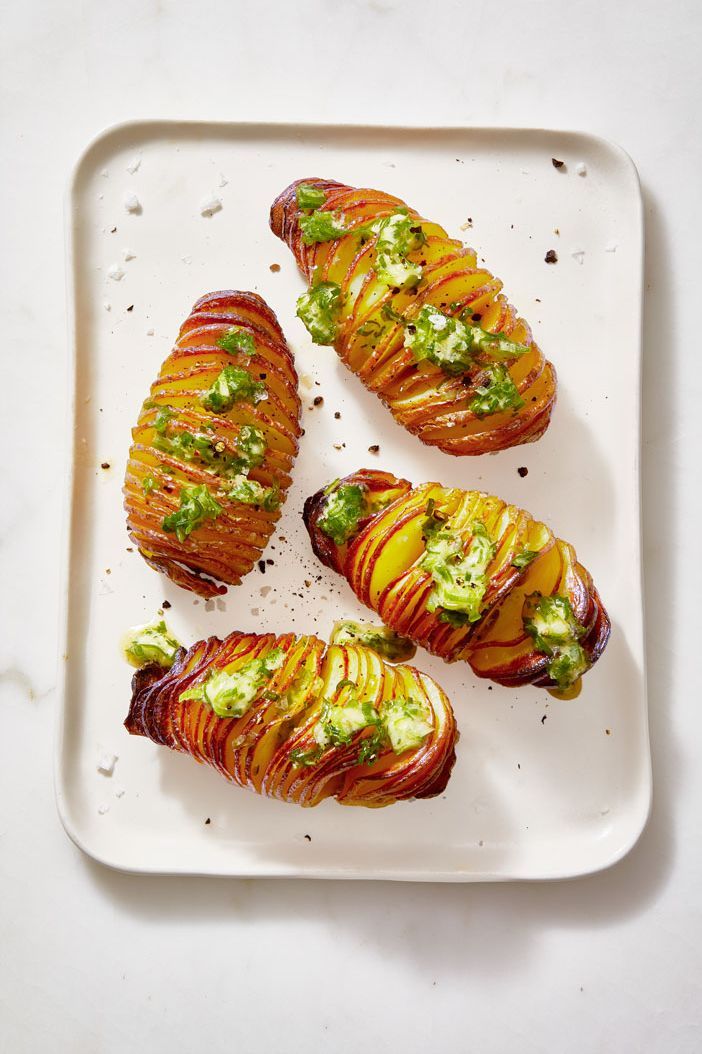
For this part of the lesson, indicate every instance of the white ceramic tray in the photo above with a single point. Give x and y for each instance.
(541, 788)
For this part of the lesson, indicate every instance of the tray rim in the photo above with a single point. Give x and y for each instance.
(311, 871)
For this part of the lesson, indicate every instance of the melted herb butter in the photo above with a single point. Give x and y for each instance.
(230, 694)
(319, 309)
(406, 722)
(459, 575)
(321, 227)
(249, 492)
(237, 341)
(397, 236)
(308, 196)
(400, 723)
(196, 506)
(551, 623)
(452, 344)
(383, 640)
(250, 444)
(152, 643)
(343, 508)
(233, 385)
(497, 393)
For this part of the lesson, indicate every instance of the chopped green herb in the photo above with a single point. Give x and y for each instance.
(148, 484)
(455, 618)
(524, 558)
(164, 415)
(389, 312)
(381, 639)
(196, 506)
(433, 521)
(309, 197)
(460, 577)
(498, 393)
(550, 621)
(151, 644)
(372, 746)
(231, 694)
(343, 509)
(233, 385)
(321, 227)
(249, 492)
(306, 757)
(372, 328)
(320, 308)
(237, 341)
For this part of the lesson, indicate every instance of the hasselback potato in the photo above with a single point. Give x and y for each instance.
(416, 317)
(463, 574)
(299, 720)
(214, 444)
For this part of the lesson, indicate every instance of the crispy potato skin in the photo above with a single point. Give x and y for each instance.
(381, 564)
(225, 549)
(430, 404)
(255, 750)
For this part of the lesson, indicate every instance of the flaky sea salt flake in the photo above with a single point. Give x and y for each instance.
(106, 762)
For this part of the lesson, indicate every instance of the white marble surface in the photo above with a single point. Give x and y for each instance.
(94, 961)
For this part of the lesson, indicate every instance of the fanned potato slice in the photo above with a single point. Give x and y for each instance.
(464, 575)
(214, 445)
(415, 316)
(296, 719)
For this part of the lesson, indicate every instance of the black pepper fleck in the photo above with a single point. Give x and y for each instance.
(262, 566)
(318, 400)
(308, 837)
(166, 604)
(105, 464)
(523, 471)
(208, 820)
(556, 163)
(551, 256)
(337, 415)
(374, 449)
(543, 719)
(131, 307)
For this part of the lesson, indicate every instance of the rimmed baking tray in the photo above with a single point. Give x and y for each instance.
(542, 788)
